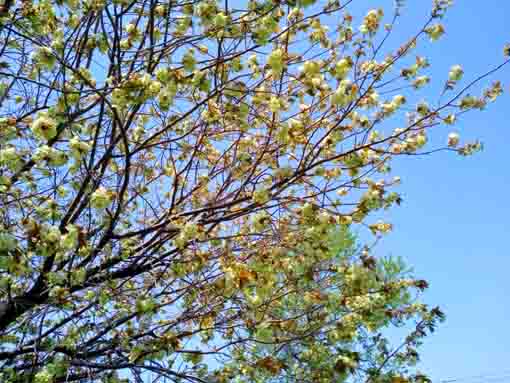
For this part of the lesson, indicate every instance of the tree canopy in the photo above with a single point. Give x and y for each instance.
(180, 181)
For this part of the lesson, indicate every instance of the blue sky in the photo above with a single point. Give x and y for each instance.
(454, 224)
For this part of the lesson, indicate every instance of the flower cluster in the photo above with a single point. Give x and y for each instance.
(371, 22)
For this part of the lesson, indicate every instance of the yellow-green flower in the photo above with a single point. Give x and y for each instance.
(189, 61)
(453, 140)
(9, 157)
(45, 57)
(343, 67)
(7, 242)
(43, 376)
(44, 128)
(260, 196)
(311, 68)
(78, 148)
(435, 32)
(274, 104)
(450, 119)
(52, 156)
(421, 81)
(70, 239)
(275, 60)
(101, 198)
(220, 20)
(455, 73)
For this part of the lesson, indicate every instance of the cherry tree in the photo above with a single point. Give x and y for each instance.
(179, 181)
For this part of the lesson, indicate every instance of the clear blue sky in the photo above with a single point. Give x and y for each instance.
(454, 224)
